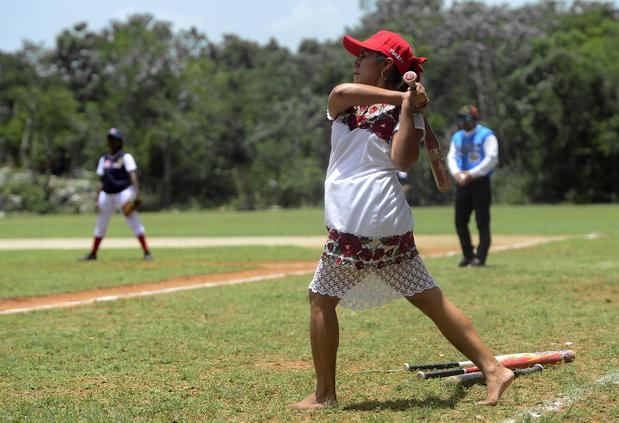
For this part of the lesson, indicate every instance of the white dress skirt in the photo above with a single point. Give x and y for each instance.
(365, 272)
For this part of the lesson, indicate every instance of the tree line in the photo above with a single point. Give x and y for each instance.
(239, 124)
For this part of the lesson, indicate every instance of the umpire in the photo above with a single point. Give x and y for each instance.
(473, 154)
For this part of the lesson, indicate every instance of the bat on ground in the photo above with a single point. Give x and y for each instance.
(566, 356)
(433, 148)
(470, 379)
(461, 364)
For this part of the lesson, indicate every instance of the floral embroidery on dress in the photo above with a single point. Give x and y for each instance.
(380, 119)
(352, 250)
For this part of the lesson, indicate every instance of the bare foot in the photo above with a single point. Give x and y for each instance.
(311, 403)
(497, 382)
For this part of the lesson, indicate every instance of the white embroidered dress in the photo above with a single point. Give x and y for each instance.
(370, 256)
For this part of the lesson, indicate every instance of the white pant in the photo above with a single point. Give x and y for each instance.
(108, 203)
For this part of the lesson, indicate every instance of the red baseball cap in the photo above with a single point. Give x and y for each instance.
(391, 45)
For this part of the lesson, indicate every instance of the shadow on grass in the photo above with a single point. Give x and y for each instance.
(406, 404)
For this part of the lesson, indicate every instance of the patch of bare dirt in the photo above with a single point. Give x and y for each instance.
(274, 269)
(283, 365)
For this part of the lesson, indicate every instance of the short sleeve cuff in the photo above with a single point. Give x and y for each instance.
(129, 162)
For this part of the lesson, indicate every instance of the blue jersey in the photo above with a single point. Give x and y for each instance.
(115, 176)
(470, 148)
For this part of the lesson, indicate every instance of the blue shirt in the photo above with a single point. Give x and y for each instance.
(470, 147)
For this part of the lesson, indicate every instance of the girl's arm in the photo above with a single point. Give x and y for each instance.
(99, 189)
(344, 96)
(405, 144)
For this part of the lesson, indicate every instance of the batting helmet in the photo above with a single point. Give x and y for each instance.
(115, 133)
(468, 112)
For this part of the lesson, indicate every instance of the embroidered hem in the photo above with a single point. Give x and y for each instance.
(360, 252)
(370, 287)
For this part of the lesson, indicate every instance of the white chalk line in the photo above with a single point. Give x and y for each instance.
(106, 298)
(566, 399)
(516, 246)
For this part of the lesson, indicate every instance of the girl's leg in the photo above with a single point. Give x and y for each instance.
(458, 330)
(324, 338)
(133, 221)
(105, 203)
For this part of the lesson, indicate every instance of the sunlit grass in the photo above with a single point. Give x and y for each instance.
(537, 219)
(241, 353)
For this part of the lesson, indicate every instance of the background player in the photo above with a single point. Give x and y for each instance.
(473, 154)
(118, 188)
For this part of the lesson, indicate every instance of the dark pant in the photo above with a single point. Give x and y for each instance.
(474, 196)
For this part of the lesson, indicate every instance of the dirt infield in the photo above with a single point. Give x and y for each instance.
(429, 246)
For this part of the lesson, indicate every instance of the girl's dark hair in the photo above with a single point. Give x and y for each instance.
(394, 78)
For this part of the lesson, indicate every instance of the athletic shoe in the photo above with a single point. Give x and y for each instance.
(148, 256)
(465, 262)
(89, 257)
(476, 262)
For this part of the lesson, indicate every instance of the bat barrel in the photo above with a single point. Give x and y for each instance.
(440, 173)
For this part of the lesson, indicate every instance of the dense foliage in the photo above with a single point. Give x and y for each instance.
(240, 124)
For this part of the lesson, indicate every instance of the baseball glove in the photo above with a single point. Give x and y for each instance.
(130, 206)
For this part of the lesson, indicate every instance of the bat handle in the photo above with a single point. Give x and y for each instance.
(433, 148)
(532, 369)
(448, 365)
(470, 379)
(442, 373)
(410, 77)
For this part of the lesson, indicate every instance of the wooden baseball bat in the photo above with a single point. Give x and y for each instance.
(468, 363)
(470, 379)
(433, 148)
(566, 356)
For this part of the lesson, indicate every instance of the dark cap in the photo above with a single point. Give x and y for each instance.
(468, 112)
(115, 133)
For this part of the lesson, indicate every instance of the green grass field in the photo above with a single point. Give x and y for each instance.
(429, 220)
(241, 353)
(55, 272)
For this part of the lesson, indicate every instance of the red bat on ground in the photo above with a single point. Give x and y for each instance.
(433, 148)
(566, 356)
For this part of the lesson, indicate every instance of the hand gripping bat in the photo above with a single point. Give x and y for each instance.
(433, 147)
